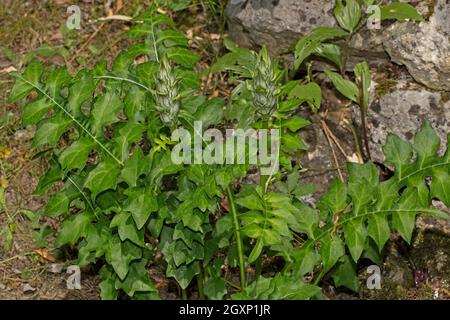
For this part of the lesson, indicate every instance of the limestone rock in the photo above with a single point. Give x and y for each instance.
(424, 48)
(276, 23)
(402, 111)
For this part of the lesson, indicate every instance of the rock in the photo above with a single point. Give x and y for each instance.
(276, 23)
(26, 288)
(401, 107)
(55, 267)
(279, 24)
(318, 161)
(424, 48)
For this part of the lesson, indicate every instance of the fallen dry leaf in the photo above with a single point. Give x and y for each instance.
(8, 70)
(215, 36)
(45, 254)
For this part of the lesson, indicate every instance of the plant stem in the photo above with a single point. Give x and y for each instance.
(319, 277)
(238, 235)
(363, 122)
(201, 294)
(183, 294)
(258, 266)
(355, 138)
(263, 178)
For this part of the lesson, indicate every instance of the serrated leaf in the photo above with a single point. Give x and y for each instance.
(171, 38)
(127, 228)
(372, 253)
(51, 176)
(141, 203)
(335, 199)
(240, 61)
(426, 144)
(35, 110)
(330, 251)
(121, 64)
(305, 260)
(21, 88)
(135, 166)
(56, 80)
(215, 288)
(137, 281)
(105, 111)
(378, 229)
(102, 177)
(345, 274)
(183, 56)
(75, 156)
(183, 274)
(440, 186)
(188, 236)
(368, 171)
(398, 153)
(404, 221)
(93, 245)
(126, 135)
(252, 202)
(73, 228)
(355, 237)
(210, 113)
(57, 205)
(306, 220)
(291, 142)
(108, 290)
(120, 255)
(134, 102)
(80, 92)
(50, 130)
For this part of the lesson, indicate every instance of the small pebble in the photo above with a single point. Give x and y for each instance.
(26, 288)
(55, 268)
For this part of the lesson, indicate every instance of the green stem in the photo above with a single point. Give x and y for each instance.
(263, 178)
(319, 277)
(363, 122)
(356, 139)
(238, 235)
(201, 294)
(258, 266)
(183, 294)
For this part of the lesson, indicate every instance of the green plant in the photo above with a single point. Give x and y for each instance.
(125, 205)
(112, 154)
(332, 44)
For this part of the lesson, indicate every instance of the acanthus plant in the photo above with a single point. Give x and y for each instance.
(126, 206)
